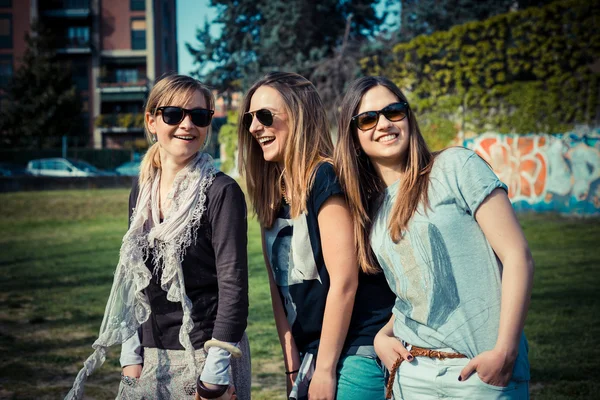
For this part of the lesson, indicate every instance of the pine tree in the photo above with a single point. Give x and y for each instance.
(43, 104)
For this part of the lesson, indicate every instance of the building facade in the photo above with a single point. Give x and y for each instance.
(116, 49)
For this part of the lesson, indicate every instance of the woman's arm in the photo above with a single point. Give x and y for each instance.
(291, 358)
(339, 254)
(501, 228)
(227, 217)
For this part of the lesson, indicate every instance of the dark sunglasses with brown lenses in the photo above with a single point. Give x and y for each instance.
(200, 117)
(394, 112)
(263, 115)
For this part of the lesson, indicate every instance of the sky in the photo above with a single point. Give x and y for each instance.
(191, 14)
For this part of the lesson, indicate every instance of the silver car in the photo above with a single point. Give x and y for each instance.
(63, 167)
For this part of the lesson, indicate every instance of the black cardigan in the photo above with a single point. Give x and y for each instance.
(215, 269)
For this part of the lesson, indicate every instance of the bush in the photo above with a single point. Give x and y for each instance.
(526, 71)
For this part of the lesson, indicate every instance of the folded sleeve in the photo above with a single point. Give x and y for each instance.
(476, 180)
(131, 351)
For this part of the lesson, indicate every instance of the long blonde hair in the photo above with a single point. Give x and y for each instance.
(308, 144)
(359, 178)
(168, 90)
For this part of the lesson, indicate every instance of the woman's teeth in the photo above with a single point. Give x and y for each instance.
(185, 137)
(387, 138)
(265, 139)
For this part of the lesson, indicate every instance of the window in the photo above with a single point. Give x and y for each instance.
(127, 75)
(138, 34)
(78, 36)
(6, 31)
(138, 5)
(79, 74)
(6, 69)
(60, 166)
(74, 4)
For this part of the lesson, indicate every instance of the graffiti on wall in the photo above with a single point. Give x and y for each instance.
(546, 172)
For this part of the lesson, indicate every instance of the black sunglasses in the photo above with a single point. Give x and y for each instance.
(201, 117)
(263, 115)
(394, 112)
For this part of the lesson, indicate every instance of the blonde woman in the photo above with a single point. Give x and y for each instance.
(327, 312)
(182, 276)
(445, 234)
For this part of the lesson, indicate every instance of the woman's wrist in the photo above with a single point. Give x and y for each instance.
(213, 392)
(508, 352)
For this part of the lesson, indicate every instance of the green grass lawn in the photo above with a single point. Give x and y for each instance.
(58, 252)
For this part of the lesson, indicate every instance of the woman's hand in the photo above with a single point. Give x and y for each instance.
(228, 395)
(133, 371)
(289, 382)
(389, 349)
(322, 386)
(494, 367)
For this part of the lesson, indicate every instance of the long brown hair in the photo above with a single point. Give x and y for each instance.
(308, 144)
(169, 90)
(360, 180)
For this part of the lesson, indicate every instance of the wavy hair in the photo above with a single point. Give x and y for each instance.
(167, 91)
(360, 180)
(308, 144)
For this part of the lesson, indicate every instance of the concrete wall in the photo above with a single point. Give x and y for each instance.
(558, 173)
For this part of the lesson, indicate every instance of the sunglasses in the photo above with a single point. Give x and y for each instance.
(263, 115)
(201, 117)
(394, 112)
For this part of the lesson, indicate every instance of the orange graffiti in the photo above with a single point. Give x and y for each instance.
(518, 162)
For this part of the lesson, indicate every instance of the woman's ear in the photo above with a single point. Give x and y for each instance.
(151, 123)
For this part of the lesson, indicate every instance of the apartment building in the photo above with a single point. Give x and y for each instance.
(116, 49)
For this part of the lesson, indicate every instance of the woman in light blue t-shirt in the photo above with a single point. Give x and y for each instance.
(444, 232)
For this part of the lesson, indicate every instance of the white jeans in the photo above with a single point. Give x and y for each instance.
(427, 378)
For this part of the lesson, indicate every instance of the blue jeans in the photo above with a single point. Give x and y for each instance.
(360, 378)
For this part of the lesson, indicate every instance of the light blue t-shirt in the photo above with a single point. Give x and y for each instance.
(445, 274)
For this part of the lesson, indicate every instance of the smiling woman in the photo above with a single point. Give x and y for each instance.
(326, 310)
(182, 281)
(443, 230)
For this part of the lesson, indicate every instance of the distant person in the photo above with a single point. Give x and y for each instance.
(327, 312)
(182, 276)
(448, 240)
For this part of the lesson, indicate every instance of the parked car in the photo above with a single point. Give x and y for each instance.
(130, 168)
(12, 170)
(64, 167)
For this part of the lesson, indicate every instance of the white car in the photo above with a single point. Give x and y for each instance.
(63, 167)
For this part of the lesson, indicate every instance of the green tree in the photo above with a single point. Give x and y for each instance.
(43, 104)
(427, 16)
(264, 35)
(228, 138)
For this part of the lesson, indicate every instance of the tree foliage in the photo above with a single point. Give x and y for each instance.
(526, 71)
(300, 36)
(427, 16)
(42, 101)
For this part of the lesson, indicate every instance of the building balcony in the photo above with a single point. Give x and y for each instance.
(74, 45)
(113, 90)
(66, 8)
(120, 123)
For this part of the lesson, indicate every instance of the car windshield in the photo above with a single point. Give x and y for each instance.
(82, 165)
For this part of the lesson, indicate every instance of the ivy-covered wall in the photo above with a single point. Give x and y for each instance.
(535, 70)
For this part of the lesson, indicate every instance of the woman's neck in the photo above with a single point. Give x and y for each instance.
(168, 170)
(390, 173)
